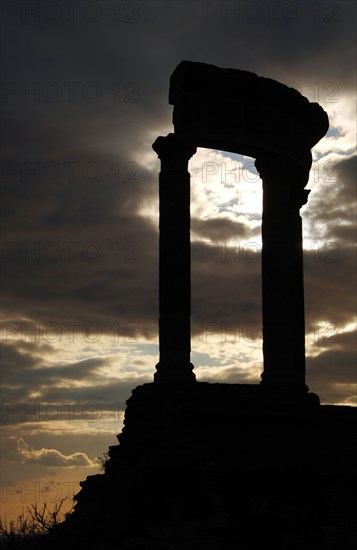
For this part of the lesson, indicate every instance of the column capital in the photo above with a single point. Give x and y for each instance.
(275, 168)
(174, 148)
(282, 176)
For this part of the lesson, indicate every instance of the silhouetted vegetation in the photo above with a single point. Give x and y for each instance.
(104, 459)
(25, 531)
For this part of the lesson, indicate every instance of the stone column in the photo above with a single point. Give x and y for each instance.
(175, 260)
(282, 273)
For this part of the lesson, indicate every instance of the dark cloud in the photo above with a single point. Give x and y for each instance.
(25, 373)
(219, 229)
(347, 201)
(332, 373)
(335, 207)
(329, 284)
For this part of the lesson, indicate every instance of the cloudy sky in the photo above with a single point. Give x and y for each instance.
(84, 93)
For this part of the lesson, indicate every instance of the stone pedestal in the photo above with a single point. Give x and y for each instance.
(220, 466)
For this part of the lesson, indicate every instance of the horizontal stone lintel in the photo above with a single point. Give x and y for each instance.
(241, 112)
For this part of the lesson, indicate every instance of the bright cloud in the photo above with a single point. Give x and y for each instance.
(52, 457)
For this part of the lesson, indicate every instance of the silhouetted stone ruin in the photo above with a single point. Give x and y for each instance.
(228, 466)
(238, 111)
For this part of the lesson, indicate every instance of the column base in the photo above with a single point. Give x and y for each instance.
(284, 384)
(174, 374)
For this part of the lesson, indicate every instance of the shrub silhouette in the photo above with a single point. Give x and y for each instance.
(26, 530)
(103, 460)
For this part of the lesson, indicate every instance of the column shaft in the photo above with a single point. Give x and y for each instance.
(282, 276)
(175, 260)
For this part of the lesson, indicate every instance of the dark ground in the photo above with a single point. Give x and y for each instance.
(221, 466)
